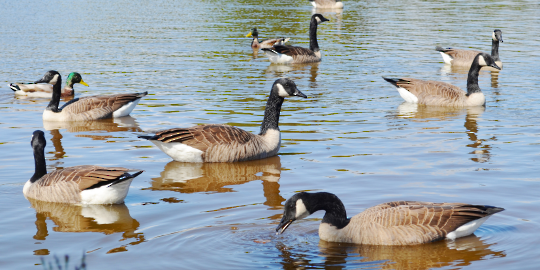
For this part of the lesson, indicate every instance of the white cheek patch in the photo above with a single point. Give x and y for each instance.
(281, 91)
(301, 211)
(318, 19)
(494, 37)
(54, 80)
(481, 61)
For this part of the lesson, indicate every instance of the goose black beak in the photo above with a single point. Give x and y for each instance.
(495, 66)
(299, 94)
(283, 225)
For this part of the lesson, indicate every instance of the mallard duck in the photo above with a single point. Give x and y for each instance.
(392, 223)
(86, 108)
(286, 54)
(223, 143)
(464, 58)
(269, 43)
(86, 184)
(45, 89)
(436, 93)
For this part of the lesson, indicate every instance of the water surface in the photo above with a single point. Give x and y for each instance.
(353, 136)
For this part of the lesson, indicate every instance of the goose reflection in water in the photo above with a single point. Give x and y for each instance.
(122, 124)
(106, 219)
(422, 113)
(459, 253)
(311, 69)
(214, 177)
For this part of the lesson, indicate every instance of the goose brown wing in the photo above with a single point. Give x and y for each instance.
(458, 54)
(423, 221)
(293, 50)
(87, 176)
(97, 107)
(203, 137)
(433, 91)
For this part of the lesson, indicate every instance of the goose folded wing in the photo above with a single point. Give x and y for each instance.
(97, 107)
(422, 222)
(203, 137)
(293, 50)
(85, 176)
(424, 90)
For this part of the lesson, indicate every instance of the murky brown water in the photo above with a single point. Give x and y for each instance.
(352, 136)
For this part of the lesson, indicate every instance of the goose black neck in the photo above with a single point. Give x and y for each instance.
(495, 50)
(313, 45)
(39, 160)
(57, 92)
(272, 111)
(335, 210)
(472, 78)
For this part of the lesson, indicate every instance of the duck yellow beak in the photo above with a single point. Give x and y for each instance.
(248, 35)
(83, 83)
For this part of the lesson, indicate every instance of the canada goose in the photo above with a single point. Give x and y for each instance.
(326, 3)
(87, 108)
(45, 89)
(269, 43)
(223, 143)
(392, 223)
(464, 58)
(286, 54)
(84, 184)
(444, 94)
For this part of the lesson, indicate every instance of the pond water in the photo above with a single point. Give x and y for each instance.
(353, 135)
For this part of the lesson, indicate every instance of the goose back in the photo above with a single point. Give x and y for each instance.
(66, 185)
(220, 143)
(95, 107)
(436, 93)
(406, 223)
(299, 54)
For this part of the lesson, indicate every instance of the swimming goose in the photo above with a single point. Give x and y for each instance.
(45, 89)
(436, 93)
(464, 58)
(84, 184)
(326, 3)
(223, 143)
(392, 223)
(87, 108)
(269, 43)
(286, 54)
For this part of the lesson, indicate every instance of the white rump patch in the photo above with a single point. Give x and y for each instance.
(106, 194)
(278, 58)
(481, 61)
(126, 109)
(281, 90)
(179, 151)
(446, 58)
(301, 211)
(466, 229)
(406, 95)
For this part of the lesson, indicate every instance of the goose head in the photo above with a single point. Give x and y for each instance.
(51, 77)
(296, 207)
(38, 140)
(485, 60)
(319, 18)
(74, 78)
(286, 87)
(253, 33)
(497, 35)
